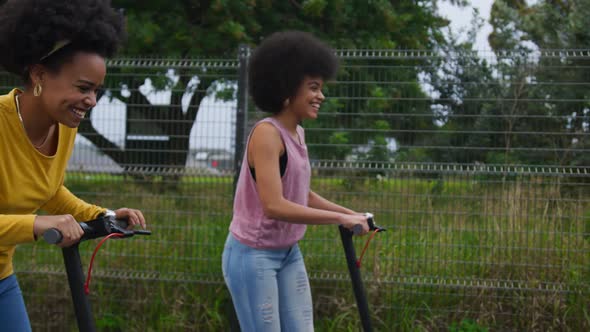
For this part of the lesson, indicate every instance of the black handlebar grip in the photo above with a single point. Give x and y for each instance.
(357, 229)
(52, 236)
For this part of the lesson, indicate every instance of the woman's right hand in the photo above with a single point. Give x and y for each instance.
(350, 220)
(65, 224)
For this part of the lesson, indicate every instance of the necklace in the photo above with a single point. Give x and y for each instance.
(23, 124)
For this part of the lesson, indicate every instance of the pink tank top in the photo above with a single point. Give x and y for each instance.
(249, 224)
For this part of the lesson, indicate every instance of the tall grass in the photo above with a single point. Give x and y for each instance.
(460, 252)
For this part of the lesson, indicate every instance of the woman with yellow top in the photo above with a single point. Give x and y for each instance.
(59, 50)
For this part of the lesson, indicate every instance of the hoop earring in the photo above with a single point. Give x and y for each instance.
(37, 90)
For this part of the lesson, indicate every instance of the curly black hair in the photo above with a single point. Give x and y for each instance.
(280, 63)
(30, 29)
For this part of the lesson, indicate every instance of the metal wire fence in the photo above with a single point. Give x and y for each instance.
(475, 162)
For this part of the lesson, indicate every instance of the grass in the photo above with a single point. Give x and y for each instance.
(460, 254)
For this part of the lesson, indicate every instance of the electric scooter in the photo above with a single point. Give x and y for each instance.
(104, 226)
(354, 268)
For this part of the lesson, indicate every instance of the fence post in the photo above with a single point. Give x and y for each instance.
(240, 138)
(242, 109)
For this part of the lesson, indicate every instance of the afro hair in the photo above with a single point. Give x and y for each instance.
(30, 29)
(281, 62)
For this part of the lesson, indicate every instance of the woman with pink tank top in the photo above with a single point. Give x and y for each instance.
(262, 264)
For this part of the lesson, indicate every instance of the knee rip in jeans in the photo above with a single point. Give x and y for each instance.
(266, 312)
(301, 282)
(308, 316)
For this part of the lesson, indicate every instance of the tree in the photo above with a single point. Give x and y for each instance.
(491, 109)
(465, 91)
(563, 106)
(215, 28)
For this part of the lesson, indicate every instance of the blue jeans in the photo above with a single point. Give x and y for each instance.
(269, 287)
(13, 314)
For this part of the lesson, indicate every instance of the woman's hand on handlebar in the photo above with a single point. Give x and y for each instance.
(349, 221)
(66, 224)
(133, 217)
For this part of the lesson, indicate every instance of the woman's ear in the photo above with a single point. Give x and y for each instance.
(37, 74)
(286, 103)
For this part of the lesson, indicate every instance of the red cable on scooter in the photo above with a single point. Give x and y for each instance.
(358, 261)
(87, 283)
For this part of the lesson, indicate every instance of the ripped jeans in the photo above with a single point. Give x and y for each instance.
(269, 287)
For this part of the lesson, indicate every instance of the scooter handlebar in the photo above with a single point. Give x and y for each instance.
(52, 236)
(99, 227)
(358, 229)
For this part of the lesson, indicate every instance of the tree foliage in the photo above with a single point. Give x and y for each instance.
(199, 28)
(549, 25)
(215, 29)
(495, 107)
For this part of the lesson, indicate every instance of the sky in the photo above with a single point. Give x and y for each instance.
(461, 17)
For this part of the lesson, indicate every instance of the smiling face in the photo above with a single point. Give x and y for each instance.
(306, 103)
(70, 93)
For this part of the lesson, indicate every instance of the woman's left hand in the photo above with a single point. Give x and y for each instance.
(133, 216)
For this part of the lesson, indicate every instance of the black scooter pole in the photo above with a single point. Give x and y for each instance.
(355, 277)
(355, 273)
(75, 274)
(100, 227)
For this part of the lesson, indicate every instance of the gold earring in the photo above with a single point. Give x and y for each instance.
(37, 90)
